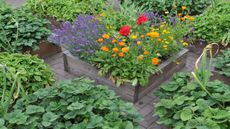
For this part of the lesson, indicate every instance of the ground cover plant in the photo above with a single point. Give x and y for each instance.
(194, 103)
(213, 25)
(20, 30)
(222, 62)
(65, 10)
(32, 72)
(72, 104)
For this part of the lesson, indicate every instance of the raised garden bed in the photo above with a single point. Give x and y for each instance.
(126, 91)
(46, 49)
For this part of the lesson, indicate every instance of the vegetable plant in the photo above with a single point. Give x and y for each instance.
(21, 30)
(32, 71)
(65, 10)
(213, 24)
(222, 62)
(73, 104)
(196, 102)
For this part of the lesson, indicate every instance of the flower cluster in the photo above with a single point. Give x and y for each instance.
(80, 37)
(138, 48)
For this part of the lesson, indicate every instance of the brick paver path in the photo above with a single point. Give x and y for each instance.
(145, 105)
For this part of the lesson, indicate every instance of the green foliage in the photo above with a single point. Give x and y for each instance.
(33, 72)
(213, 24)
(72, 104)
(185, 105)
(222, 63)
(20, 29)
(65, 9)
(173, 6)
(123, 14)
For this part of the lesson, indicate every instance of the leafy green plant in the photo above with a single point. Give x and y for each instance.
(173, 6)
(21, 30)
(73, 104)
(213, 24)
(195, 104)
(65, 10)
(33, 72)
(222, 62)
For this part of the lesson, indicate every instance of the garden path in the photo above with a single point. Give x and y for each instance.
(144, 105)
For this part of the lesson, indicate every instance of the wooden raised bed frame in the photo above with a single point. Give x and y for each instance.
(126, 91)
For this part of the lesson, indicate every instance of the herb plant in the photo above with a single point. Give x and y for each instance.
(222, 63)
(80, 38)
(65, 10)
(73, 104)
(213, 25)
(33, 72)
(21, 30)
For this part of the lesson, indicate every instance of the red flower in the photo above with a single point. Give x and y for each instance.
(141, 19)
(125, 30)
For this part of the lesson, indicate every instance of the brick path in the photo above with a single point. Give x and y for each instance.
(144, 105)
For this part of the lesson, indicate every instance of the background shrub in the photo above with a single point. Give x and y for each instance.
(65, 10)
(73, 104)
(214, 24)
(20, 30)
(173, 6)
(34, 73)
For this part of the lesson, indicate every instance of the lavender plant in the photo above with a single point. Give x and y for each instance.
(79, 37)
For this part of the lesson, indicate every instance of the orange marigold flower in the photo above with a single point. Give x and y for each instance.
(183, 7)
(142, 36)
(159, 40)
(138, 42)
(121, 54)
(155, 61)
(104, 48)
(153, 34)
(100, 40)
(179, 14)
(122, 44)
(146, 52)
(124, 49)
(106, 36)
(140, 57)
(115, 49)
(191, 18)
(114, 41)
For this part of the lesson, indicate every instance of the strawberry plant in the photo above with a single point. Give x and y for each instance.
(222, 63)
(72, 104)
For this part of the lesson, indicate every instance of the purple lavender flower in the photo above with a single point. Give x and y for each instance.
(79, 37)
(154, 18)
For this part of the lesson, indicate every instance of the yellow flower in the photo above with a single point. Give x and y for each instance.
(159, 40)
(123, 40)
(191, 18)
(142, 36)
(134, 37)
(185, 44)
(171, 37)
(138, 42)
(153, 34)
(164, 31)
(104, 48)
(100, 40)
(167, 42)
(114, 41)
(165, 46)
(140, 57)
(183, 7)
(124, 49)
(106, 36)
(102, 14)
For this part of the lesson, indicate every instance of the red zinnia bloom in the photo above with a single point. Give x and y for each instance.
(125, 30)
(141, 19)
